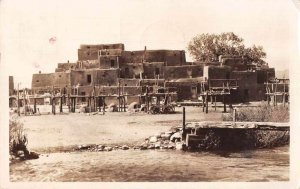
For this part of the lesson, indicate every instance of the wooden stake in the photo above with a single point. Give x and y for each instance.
(183, 124)
(206, 103)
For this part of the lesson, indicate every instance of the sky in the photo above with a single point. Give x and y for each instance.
(36, 35)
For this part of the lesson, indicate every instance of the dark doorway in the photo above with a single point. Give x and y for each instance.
(89, 78)
(112, 63)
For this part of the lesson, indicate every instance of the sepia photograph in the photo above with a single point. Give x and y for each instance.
(145, 91)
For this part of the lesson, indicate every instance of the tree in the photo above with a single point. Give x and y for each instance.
(208, 47)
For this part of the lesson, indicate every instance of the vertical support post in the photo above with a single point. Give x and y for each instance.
(203, 103)
(206, 103)
(283, 95)
(53, 106)
(234, 115)
(119, 100)
(69, 102)
(34, 106)
(215, 102)
(18, 100)
(224, 102)
(90, 102)
(24, 99)
(61, 104)
(103, 105)
(183, 124)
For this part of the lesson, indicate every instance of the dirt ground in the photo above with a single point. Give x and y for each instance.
(60, 132)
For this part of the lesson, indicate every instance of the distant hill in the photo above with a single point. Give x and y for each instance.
(282, 74)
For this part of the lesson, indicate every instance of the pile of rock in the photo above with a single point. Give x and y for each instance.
(22, 155)
(100, 148)
(171, 139)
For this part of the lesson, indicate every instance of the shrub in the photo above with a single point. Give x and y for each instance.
(17, 138)
(262, 113)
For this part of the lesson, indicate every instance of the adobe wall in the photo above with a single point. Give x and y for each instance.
(107, 52)
(49, 80)
(98, 77)
(189, 71)
(114, 90)
(88, 64)
(107, 62)
(87, 54)
(150, 70)
(132, 57)
(249, 89)
(63, 67)
(151, 82)
(102, 46)
(185, 90)
(130, 82)
(171, 57)
(216, 72)
(131, 70)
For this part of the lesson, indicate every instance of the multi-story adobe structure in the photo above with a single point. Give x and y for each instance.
(104, 68)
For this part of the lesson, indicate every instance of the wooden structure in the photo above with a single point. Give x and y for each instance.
(214, 88)
(278, 88)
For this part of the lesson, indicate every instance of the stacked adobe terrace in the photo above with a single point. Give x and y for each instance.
(102, 69)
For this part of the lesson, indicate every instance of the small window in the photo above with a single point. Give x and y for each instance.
(59, 76)
(37, 81)
(112, 63)
(125, 84)
(88, 53)
(88, 47)
(89, 78)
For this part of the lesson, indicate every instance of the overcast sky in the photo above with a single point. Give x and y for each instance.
(163, 24)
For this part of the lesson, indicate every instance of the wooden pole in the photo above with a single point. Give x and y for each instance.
(61, 104)
(283, 95)
(119, 100)
(34, 105)
(203, 103)
(206, 103)
(24, 101)
(224, 102)
(69, 102)
(103, 105)
(90, 102)
(183, 124)
(215, 102)
(18, 100)
(234, 115)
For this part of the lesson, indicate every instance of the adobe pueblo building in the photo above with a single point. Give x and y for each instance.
(108, 69)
